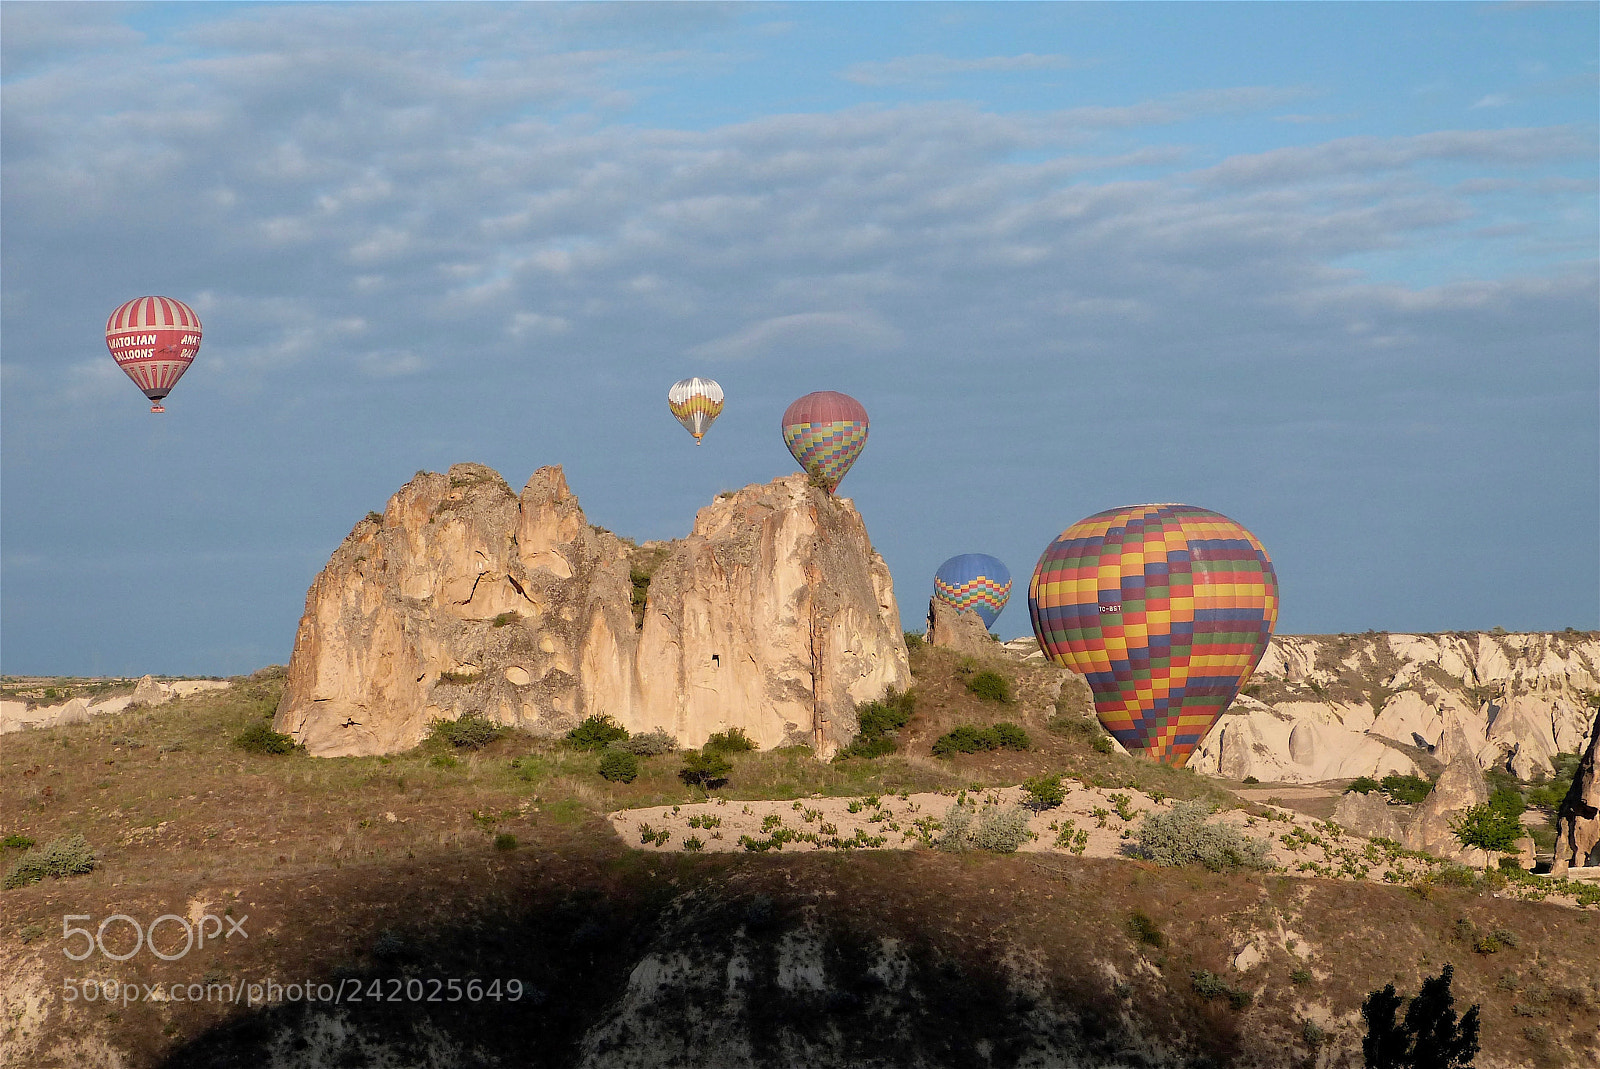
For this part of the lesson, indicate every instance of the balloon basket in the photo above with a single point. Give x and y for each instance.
(157, 407)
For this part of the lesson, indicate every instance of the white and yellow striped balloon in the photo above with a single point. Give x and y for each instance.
(696, 402)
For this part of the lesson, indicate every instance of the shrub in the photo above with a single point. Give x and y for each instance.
(734, 740)
(1300, 976)
(443, 760)
(1408, 789)
(878, 722)
(59, 858)
(473, 731)
(704, 769)
(504, 618)
(1010, 736)
(1430, 1036)
(596, 733)
(1144, 930)
(460, 678)
(649, 744)
(1182, 837)
(505, 841)
(619, 766)
(1488, 828)
(16, 842)
(259, 738)
(914, 639)
(1001, 830)
(1251, 779)
(957, 822)
(1102, 744)
(990, 686)
(1362, 785)
(965, 738)
(1313, 1034)
(1209, 985)
(1044, 792)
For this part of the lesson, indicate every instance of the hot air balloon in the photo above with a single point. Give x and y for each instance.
(696, 402)
(154, 340)
(825, 431)
(974, 581)
(1166, 609)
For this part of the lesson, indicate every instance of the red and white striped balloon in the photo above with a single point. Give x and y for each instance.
(154, 340)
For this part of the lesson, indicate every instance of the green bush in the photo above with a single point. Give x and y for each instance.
(914, 639)
(1363, 785)
(619, 766)
(1001, 831)
(879, 721)
(1010, 736)
(1044, 792)
(259, 738)
(965, 738)
(1144, 930)
(990, 686)
(705, 769)
(734, 740)
(1210, 986)
(1408, 789)
(16, 842)
(1429, 1037)
(596, 733)
(649, 744)
(1182, 837)
(473, 731)
(505, 841)
(1488, 828)
(59, 858)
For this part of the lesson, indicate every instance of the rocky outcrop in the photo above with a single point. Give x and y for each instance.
(775, 616)
(1433, 826)
(1578, 818)
(1369, 814)
(1294, 745)
(962, 631)
(1520, 699)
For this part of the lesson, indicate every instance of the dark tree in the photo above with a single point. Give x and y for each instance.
(1430, 1036)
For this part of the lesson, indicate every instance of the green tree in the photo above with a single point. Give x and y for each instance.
(1429, 1037)
(705, 770)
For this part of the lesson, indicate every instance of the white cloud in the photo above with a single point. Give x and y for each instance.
(850, 331)
(922, 69)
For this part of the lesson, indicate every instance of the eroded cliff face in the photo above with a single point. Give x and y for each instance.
(1330, 706)
(775, 615)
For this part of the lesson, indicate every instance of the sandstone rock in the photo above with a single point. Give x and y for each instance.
(75, 711)
(1578, 818)
(1462, 785)
(149, 692)
(1519, 698)
(1253, 740)
(775, 615)
(953, 629)
(1369, 815)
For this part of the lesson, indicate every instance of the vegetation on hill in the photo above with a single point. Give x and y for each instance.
(498, 861)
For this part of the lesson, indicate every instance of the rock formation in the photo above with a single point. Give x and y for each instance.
(1578, 819)
(1519, 698)
(1462, 785)
(775, 616)
(1368, 814)
(954, 629)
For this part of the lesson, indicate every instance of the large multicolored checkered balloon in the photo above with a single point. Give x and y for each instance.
(825, 431)
(153, 340)
(695, 402)
(974, 581)
(1166, 609)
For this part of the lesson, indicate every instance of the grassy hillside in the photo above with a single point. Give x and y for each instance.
(352, 870)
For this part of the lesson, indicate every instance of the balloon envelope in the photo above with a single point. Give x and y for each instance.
(974, 581)
(825, 432)
(696, 402)
(1166, 609)
(153, 340)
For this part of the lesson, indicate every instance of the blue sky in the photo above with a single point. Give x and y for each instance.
(1330, 269)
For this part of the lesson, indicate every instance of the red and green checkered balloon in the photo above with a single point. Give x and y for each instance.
(825, 431)
(1166, 609)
